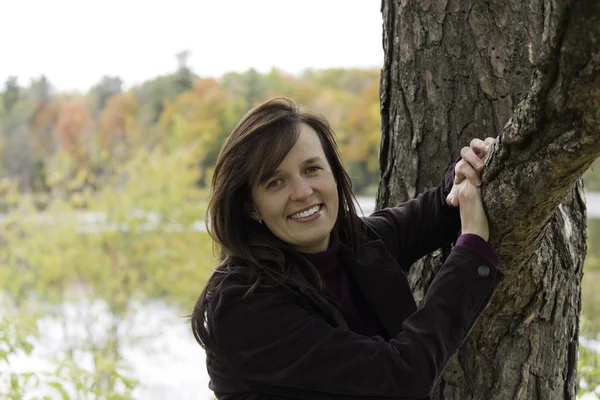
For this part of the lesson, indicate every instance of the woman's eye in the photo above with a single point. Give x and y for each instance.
(312, 169)
(274, 183)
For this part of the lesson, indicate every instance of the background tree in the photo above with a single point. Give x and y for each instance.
(117, 130)
(457, 70)
(41, 90)
(11, 93)
(185, 78)
(16, 113)
(197, 119)
(362, 138)
(108, 87)
(40, 97)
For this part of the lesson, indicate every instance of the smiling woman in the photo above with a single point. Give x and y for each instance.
(309, 301)
(299, 203)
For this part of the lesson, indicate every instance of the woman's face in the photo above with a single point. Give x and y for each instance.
(299, 202)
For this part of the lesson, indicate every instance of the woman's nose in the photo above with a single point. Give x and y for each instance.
(301, 189)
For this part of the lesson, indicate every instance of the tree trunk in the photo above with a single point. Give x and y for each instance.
(527, 72)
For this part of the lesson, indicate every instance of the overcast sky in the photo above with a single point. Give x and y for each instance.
(75, 42)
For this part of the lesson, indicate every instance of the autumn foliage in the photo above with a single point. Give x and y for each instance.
(100, 130)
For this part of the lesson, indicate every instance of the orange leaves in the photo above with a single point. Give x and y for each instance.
(41, 129)
(117, 120)
(208, 89)
(72, 126)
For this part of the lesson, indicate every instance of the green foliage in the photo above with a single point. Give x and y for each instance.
(591, 178)
(588, 363)
(40, 90)
(589, 286)
(106, 88)
(138, 239)
(17, 335)
(588, 367)
(593, 245)
(353, 81)
(11, 93)
(106, 381)
(48, 138)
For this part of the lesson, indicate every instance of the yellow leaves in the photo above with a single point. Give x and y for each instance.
(360, 134)
(195, 115)
(79, 179)
(8, 187)
(208, 89)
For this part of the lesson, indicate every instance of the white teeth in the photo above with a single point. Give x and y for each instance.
(306, 213)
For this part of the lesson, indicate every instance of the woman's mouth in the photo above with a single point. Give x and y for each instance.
(307, 215)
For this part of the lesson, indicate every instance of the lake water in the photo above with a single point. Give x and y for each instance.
(592, 201)
(593, 204)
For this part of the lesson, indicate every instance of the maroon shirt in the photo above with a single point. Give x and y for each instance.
(342, 288)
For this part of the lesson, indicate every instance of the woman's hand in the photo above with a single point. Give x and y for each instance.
(472, 215)
(469, 167)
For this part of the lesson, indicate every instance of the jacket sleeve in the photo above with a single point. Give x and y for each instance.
(419, 226)
(278, 348)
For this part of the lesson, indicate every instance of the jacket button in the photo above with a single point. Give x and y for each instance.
(484, 270)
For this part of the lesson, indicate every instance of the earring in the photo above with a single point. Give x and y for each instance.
(260, 221)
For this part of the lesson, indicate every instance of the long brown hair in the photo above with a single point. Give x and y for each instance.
(246, 248)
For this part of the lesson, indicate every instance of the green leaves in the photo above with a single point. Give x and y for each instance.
(591, 178)
(588, 364)
(17, 333)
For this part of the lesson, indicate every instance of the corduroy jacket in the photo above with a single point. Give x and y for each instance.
(276, 344)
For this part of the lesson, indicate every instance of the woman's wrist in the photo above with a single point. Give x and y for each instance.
(482, 234)
(476, 242)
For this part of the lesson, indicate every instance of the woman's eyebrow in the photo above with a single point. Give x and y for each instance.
(312, 160)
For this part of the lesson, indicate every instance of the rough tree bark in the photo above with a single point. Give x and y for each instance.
(529, 73)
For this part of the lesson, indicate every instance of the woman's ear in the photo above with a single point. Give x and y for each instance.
(254, 214)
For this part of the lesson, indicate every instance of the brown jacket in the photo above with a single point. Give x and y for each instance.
(278, 345)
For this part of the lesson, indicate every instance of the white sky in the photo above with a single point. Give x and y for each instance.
(75, 42)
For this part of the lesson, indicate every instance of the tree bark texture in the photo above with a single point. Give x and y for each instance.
(527, 72)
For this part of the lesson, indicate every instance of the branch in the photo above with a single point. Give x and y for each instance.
(552, 137)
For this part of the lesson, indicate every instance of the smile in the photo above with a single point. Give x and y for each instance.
(306, 213)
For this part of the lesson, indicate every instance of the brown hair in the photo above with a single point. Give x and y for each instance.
(248, 249)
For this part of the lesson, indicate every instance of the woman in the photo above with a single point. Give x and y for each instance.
(310, 301)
